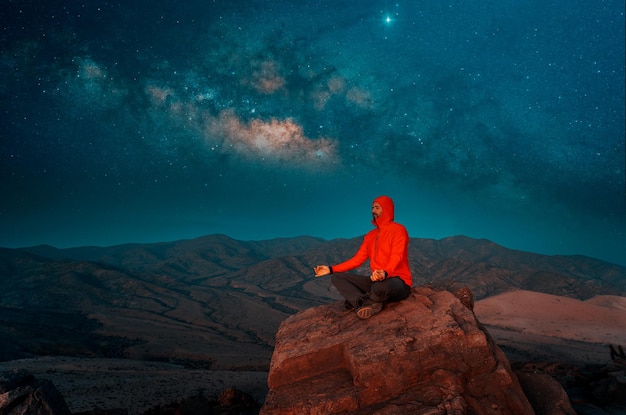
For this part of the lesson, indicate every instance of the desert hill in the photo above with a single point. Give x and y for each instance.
(594, 320)
(490, 269)
(530, 325)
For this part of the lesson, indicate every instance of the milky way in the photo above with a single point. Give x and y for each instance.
(258, 119)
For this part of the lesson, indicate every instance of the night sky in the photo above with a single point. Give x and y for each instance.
(152, 121)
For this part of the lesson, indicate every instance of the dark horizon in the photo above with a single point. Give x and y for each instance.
(36, 248)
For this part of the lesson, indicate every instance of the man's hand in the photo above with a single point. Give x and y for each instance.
(378, 275)
(321, 270)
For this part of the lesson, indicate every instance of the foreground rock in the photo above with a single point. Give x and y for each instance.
(22, 394)
(231, 401)
(425, 355)
(545, 394)
(591, 389)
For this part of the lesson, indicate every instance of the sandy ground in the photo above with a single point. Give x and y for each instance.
(528, 324)
(135, 385)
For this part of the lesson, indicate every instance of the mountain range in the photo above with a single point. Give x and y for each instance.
(216, 302)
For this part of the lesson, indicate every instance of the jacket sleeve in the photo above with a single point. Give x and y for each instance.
(360, 257)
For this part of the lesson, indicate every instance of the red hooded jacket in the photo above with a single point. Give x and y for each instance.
(386, 246)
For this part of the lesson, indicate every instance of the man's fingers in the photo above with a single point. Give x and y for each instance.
(321, 270)
(377, 275)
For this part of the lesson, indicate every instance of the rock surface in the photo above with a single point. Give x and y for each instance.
(22, 394)
(425, 355)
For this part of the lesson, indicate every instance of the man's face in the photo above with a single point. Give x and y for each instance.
(377, 210)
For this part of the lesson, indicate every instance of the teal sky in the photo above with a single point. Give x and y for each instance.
(168, 120)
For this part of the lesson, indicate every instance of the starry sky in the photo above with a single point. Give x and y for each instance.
(136, 121)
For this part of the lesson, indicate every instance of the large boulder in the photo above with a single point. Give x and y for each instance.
(425, 355)
(545, 394)
(22, 394)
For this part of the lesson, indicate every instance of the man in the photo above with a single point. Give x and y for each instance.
(386, 247)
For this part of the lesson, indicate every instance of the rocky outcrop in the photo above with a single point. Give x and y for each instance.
(230, 401)
(22, 394)
(425, 355)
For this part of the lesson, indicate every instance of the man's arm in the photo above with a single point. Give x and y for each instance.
(360, 257)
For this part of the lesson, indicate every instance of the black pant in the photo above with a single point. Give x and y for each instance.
(355, 288)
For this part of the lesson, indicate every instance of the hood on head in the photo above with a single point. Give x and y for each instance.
(388, 211)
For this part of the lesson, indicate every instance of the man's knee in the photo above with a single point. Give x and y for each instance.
(391, 289)
(335, 278)
(341, 280)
